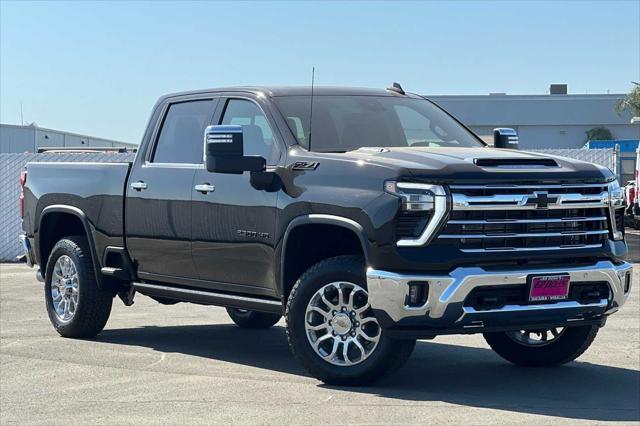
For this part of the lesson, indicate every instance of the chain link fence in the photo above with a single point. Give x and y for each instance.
(10, 167)
(609, 158)
(12, 164)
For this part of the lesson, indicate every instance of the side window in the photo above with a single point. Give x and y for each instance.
(181, 136)
(258, 137)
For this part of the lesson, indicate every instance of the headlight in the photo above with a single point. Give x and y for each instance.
(424, 204)
(617, 200)
(616, 195)
(415, 196)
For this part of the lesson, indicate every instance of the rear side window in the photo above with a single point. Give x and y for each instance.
(182, 133)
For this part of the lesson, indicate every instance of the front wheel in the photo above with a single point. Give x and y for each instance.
(331, 327)
(544, 347)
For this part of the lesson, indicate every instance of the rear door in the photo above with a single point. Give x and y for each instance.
(158, 210)
(234, 224)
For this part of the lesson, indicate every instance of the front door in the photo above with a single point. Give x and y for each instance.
(233, 223)
(158, 209)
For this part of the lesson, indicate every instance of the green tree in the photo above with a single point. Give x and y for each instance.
(631, 102)
(599, 134)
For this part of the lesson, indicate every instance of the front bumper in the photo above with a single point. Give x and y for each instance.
(444, 311)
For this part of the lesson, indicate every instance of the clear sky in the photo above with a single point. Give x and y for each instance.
(98, 67)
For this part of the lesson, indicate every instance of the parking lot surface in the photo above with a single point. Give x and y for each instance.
(188, 364)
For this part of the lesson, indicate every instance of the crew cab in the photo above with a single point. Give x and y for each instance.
(367, 218)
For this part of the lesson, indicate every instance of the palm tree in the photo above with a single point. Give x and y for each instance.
(631, 103)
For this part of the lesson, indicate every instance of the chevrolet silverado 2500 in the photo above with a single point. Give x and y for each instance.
(367, 218)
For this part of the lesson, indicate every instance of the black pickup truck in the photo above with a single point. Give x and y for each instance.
(367, 218)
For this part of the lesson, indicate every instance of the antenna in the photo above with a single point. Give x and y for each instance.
(21, 116)
(395, 87)
(313, 75)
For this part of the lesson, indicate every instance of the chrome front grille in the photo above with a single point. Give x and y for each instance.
(527, 218)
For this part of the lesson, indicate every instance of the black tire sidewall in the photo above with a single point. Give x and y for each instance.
(565, 348)
(348, 269)
(252, 319)
(94, 306)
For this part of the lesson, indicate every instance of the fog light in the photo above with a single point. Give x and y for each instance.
(418, 292)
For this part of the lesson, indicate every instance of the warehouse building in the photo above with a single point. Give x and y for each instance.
(19, 139)
(558, 120)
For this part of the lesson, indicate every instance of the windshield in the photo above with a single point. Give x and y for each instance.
(346, 123)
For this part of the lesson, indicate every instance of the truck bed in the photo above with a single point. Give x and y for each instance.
(96, 189)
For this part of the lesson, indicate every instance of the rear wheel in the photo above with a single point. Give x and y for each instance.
(544, 347)
(75, 304)
(252, 319)
(331, 327)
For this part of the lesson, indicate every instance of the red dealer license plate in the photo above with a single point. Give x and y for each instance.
(545, 288)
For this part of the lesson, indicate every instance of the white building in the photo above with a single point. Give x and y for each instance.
(542, 121)
(17, 139)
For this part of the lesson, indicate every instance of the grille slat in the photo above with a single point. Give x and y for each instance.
(527, 218)
(508, 221)
(530, 235)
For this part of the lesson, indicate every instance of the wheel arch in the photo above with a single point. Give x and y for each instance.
(76, 224)
(320, 228)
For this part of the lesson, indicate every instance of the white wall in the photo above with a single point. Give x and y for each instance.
(16, 139)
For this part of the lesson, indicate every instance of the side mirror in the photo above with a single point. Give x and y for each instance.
(505, 138)
(224, 151)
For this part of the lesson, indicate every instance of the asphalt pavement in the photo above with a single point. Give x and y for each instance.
(188, 364)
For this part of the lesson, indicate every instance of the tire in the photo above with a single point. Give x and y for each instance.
(93, 306)
(569, 345)
(252, 319)
(348, 273)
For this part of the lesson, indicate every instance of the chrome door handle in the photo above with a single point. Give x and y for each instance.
(205, 187)
(139, 185)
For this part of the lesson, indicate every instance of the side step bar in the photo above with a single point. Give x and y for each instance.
(210, 298)
(117, 273)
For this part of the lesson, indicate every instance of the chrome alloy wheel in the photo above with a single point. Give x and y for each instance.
(536, 337)
(340, 324)
(64, 288)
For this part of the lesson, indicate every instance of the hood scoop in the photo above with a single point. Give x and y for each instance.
(516, 163)
(372, 149)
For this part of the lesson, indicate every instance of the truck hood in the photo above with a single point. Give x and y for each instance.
(483, 164)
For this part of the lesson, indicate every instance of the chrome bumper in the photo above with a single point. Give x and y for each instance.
(28, 256)
(26, 247)
(389, 291)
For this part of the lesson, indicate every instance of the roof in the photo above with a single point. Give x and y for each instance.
(275, 91)
(34, 126)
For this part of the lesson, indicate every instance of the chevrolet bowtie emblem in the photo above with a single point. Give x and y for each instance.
(540, 199)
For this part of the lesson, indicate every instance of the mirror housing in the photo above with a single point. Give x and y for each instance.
(505, 138)
(224, 151)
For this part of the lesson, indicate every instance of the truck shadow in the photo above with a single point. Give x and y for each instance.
(473, 377)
